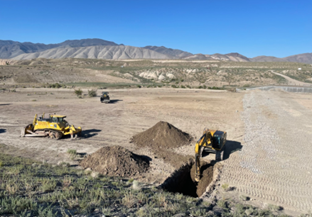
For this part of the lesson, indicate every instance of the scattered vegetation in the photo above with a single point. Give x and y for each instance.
(225, 187)
(92, 93)
(30, 188)
(78, 92)
(72, 153)
(33, 189)
(150, 73)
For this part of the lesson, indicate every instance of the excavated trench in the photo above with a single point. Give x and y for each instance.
(182, 180)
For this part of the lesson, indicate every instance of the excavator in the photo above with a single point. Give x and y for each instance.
(55, 127)
(211, 141)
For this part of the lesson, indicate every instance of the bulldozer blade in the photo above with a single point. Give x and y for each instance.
(34, 135)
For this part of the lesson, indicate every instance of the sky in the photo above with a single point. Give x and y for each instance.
(250, 27)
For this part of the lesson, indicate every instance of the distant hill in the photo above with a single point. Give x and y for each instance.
(102, 49)
(95, 52)
(300, 58)
(174, 53)
(10, 49)
(236, 57)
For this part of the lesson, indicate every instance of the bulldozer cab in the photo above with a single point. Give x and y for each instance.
(59, 119)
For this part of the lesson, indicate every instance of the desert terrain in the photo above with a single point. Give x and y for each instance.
(266, 158)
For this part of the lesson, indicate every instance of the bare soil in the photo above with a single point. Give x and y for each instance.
(266, 157)
(162, 135)
(116, 161)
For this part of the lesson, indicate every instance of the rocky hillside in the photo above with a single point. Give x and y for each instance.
(95, 52)
(236, 57)
(300, 58)
(10, 49)
(173, 53)
(102, 49)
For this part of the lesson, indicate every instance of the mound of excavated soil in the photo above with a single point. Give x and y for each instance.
(116, 161)
(162, 135)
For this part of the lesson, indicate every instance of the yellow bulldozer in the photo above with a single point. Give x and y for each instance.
(212, 141)
(55, 127)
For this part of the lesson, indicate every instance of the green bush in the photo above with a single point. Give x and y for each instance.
(225, 186)
(78, 92)
(92, 93)
(56, 85)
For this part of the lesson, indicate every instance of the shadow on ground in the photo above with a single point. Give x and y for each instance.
(2, 130)
(4, 104)
(90, 133)
(112, 101)
(231, 147)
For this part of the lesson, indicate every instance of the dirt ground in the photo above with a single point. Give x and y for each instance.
(267, 156)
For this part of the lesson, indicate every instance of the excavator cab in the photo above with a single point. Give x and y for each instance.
(212, 141)
(218, 142)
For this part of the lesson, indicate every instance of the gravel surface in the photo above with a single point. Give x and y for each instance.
(274, 165)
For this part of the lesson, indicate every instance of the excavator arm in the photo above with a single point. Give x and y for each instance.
(204, 141)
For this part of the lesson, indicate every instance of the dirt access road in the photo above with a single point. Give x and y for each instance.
(272, 129)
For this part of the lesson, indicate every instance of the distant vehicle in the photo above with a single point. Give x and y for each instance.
(105, 97)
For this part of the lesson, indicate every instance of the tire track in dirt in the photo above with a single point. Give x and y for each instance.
(274, 164)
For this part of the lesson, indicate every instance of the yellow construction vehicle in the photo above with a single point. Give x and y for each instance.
(211, 141)
(55, 127)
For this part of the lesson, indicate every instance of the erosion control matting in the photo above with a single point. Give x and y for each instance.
(162, 135)
(182, 180)
(116, 161)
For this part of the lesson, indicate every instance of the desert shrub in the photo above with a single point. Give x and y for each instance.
(92, 93)
(139, 86)
(225, 186)
(222, 204)
(244, 198)
(78, 92)
(56, 85)
(72, 153)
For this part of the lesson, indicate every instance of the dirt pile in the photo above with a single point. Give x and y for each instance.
(162, 135)
(182, 180)
(116, 161)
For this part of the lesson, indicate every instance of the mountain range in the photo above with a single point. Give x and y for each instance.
(102, 49)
